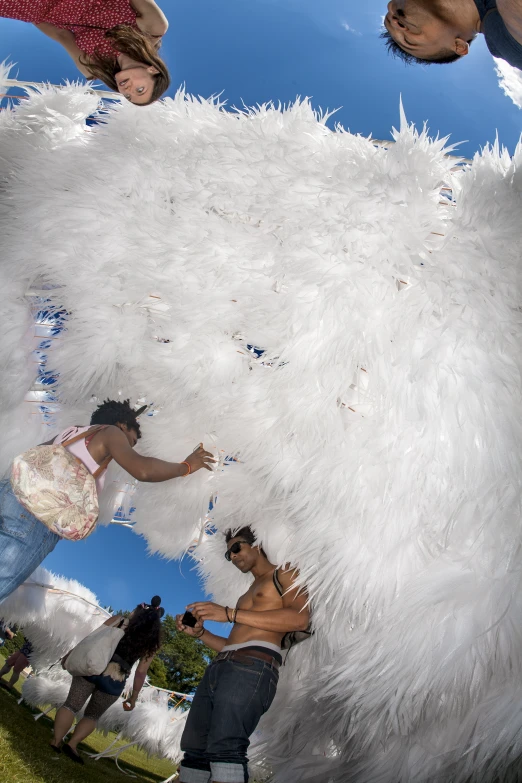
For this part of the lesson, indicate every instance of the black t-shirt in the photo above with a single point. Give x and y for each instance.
(499, 40)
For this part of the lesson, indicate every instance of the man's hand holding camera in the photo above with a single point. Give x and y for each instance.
(192, 621)
(191, 626)
(206, 610)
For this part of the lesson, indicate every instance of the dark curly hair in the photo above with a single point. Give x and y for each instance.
(114, 412)
(246, 533)
(143, 636)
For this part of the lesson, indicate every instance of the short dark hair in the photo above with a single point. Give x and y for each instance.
(444, 57)
(114, 412)
(246, 533)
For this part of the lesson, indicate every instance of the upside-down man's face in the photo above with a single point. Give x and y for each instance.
(421, 29)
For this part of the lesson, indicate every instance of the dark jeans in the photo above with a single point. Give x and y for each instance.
(227, 706)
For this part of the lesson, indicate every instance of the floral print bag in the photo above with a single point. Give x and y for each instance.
(57, 488)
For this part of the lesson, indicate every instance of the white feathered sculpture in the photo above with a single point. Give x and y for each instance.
(47, 690)
(378, 432)
(55, 614)
(151, 725)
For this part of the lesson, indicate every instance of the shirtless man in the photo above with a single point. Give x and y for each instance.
(441, 31)
(239, 685)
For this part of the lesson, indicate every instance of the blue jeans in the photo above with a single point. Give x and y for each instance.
(227, 706)
(24, 541)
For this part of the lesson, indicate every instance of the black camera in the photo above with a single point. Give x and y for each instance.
(189, 620)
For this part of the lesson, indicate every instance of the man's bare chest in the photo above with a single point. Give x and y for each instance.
(261, 596)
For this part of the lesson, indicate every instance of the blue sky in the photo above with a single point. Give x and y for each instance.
(113, 562)
(258, 50)
(253, 51)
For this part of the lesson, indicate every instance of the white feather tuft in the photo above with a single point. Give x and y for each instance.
(378, 433)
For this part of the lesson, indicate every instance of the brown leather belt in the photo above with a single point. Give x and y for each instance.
(240, 655)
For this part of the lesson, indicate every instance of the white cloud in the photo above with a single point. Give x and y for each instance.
(510, 81)
(349, 29)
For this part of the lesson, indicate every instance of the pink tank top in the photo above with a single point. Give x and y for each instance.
(79, 449)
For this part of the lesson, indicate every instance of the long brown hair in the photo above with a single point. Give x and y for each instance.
(137, 45)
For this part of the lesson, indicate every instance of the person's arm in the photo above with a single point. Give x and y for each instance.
(139, 678)
(212, 640)
(150, 18)
(9, 633)
(151, 469)
(67, 40)
(294, 616)
(198, 632)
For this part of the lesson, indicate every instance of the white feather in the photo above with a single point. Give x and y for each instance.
(379, 434)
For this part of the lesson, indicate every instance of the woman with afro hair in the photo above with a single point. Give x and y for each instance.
(25, 541)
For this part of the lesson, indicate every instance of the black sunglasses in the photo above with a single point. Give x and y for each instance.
(235, 549)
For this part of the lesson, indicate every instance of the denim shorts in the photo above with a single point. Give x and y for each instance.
(24, 541)
(227, 706)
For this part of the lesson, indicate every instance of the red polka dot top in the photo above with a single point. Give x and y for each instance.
(88, 20)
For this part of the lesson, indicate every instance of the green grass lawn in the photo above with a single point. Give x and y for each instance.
(25, 756)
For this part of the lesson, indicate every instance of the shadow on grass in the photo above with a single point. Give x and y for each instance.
(25, 755)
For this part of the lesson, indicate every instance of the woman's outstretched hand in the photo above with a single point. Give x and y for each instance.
(200, 459)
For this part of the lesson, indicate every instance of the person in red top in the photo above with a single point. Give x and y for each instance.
(115, 41)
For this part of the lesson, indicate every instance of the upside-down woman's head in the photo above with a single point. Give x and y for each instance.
(145, 79)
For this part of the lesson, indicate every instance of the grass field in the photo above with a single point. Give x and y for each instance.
(25, 756)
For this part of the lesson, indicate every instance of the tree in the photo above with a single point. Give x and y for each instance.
(157, 673)
(14, 644)
(184, 658)
(120, 612)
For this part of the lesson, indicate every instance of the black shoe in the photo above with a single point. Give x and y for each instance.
(55, 748)
(69, 752)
